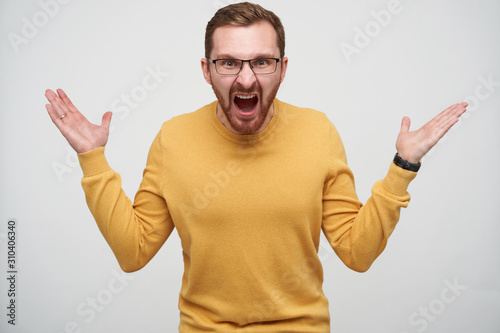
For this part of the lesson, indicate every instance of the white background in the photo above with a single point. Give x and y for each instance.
(430, 55)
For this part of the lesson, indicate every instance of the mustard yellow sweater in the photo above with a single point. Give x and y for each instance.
(249, 210)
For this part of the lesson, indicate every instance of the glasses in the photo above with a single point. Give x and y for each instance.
(260, 66)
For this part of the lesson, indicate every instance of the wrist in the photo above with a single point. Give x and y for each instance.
(402, 163)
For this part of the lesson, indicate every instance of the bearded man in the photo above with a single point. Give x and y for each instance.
(249, 182)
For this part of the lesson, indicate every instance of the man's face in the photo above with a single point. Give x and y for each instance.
(245, 100)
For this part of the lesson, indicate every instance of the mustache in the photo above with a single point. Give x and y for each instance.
(238, 88)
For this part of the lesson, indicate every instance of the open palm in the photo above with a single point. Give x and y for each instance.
(413, 145)
(82, 135)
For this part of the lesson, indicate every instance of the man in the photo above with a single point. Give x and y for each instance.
(249, 182)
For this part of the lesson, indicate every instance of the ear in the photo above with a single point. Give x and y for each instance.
(284, 65)
(205, 67)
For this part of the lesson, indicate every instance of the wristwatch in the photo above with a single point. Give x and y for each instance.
(400, 162)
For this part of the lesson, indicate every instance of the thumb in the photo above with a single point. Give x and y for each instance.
(405, 125)
(106, 119)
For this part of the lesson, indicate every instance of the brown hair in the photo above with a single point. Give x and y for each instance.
(243, 14)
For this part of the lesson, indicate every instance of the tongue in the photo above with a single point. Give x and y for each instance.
(246, 105)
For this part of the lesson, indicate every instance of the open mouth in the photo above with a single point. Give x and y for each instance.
(246, 105)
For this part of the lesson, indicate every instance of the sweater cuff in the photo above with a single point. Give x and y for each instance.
(397, 180)
(93, 162)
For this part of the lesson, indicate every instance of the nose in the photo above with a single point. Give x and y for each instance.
(246, 77)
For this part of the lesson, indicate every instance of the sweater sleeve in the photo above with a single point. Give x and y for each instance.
(359, 233)
(135, 232)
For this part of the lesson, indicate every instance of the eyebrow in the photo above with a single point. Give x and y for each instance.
(258, 56)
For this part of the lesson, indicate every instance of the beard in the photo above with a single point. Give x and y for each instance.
(242, 125)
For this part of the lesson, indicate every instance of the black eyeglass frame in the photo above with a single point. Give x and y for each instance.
(213, 61)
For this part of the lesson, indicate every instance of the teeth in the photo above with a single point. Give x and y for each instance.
(245, 96)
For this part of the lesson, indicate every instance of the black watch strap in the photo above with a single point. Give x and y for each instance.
(400, 162)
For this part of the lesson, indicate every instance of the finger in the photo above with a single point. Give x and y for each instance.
(450, 114)
(458, 108)
(445, 124)
(462, 107)
(51, 112)
(66, 100)
(53, 116)
(444, 113)
(454, 112)
(58, 106)
(441, 131)
(106, 119)
(405, 125)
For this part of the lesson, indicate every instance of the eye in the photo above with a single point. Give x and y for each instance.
(230, 63)
(262, 63)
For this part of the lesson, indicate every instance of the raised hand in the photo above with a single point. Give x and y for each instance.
(412, 146)
(82, 135)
